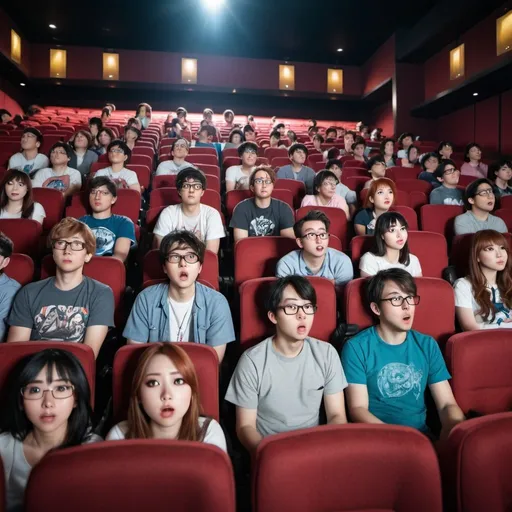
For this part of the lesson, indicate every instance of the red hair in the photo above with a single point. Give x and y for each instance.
(375, 185)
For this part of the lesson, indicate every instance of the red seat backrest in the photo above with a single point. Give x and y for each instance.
(255, 325)
(414, 185)
(20, 268)
(202, 151)
(205, 362)
(270, 153)
(168, 195)
(279, 161)
(439, 218)
(296, 187)
(506, 202)
(373, 479)
(506, 215)
(348, 172)
(53, 203)
(24, 233)
(231, 160)
(144, 150)
(409, 214)
(350, 162)
(339, 226)
(202, 159)
(229, 153)
(397, 173)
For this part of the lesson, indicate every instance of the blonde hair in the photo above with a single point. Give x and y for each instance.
(69, 227)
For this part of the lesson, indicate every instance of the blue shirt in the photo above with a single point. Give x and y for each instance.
(396, 375)
(211, 317)
(8, 289)
(336, 266)
(107, 231)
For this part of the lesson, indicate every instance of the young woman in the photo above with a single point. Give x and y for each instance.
(483, 299)
(473, 165)
(412, 157)
(143, 114)
(429, 164)
(164, 402)
(82, 157)
(387, 149)
(380, 198)
(105, 137)
(47, 407)
(324, 185)
(445, 150)
(358, 149)
(16, 200)
(391, 249)
(500, 173)
(131, 136)
(236, 137)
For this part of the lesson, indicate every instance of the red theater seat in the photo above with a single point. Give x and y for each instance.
(53, 203)
(409, 215)
(205, 150)
(296, 187)
(24, 233)
(347, 467)
(205, 362)
(506, 215)
(414, 185)
(348, 172)
(185, 476)
(339, 225)
(439, 218)
(506, 202)
(350, 162)
(271, 153)
(255, 325)
(20, 268)
(279, 161)
(202, 159)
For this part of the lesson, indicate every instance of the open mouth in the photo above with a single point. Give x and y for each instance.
(406, 319)
(183, 275)
(301, 329)
(400, 242)
(166, 412)
(47, 418)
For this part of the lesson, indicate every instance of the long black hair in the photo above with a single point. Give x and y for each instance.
(15, 421)
(384, 222)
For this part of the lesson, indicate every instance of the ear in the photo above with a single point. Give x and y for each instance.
(299, 242)
(370, 198)
(439, 179)
(114, 201)
(88, 257)
(375, 308)
(272, 317)
(471, 200)
(202, 192)
(125, 158)
(165, 270)
(5, 263)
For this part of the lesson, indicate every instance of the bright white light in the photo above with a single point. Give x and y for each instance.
(286, 86)
(339, 50)
(51, 25)
(475, 94)
(234, 91)
(110, 76)
(22, 84)
(213, 5)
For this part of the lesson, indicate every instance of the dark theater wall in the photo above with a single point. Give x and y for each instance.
(380, 67)
(382, 117)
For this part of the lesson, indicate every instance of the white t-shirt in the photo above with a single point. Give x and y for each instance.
(235, 173)
(37, 214)
(123, 179)
(47, 178)
(464, 298)
(206, 226)
(371, 264)
(180, 316)
(170, 167)
(18, 161)
(214, 434)
(79, 159)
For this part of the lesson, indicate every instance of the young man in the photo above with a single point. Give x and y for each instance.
(237, 176)
(205, 136)
(202, 220)
(377, 169)
(59, 176)
(342, 190)
(448, 193)
(29, 160)
(405, 140)
(182, 309)
(114, 234)
(315, 258)
(297, 170)
(331, 134)
(69, 306)
(8, 287)
(249, 133)
(119, 154)
(388, 366)
(348, 140)
(479, 201)
(179, 153)
(261, 215)
(5, 116)
(280, 384)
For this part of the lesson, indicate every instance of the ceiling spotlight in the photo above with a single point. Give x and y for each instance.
(22, 84)
(475, 94)
(339, 50)
(51, 25)
(213, 5)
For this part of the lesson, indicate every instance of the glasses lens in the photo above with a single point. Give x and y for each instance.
(191, 257)
(62, 391)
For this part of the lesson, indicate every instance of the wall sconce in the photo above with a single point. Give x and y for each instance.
(286, 77)
(110, 66)
(457, 63)
(335, 81)
(504, 33)
(15, 47)
(189, 71)
(58, 60)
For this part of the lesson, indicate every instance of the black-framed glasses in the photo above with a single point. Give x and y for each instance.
(190, 257)
(35, 392)
(451, 170)
(487, 192)
(293, 309)
(397, 301)
(314, 236)
(260, 181)
(192, 186)
(62, 245)
(95, 191)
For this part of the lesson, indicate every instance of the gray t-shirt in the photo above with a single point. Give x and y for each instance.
(8, 289)
(349, 195)
(445, 195)
(286, 391)
(306, 175)
(262, 221)
(468, 223)
(53, 314)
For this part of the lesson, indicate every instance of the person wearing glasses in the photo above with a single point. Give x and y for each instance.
(324, 186)
(181, 309)
(119, 154)
(280, 384)
(46, 408)
(388, 366)
(59, 176)
(68, 306)
(114, 234)
(479, 200)
(448, 176)
(178, 162)
(237, 176)
(202, 220)
(262, 215)
(315, 258)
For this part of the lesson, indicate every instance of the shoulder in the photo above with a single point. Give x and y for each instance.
(369, 257)
(154, 292)
(291, 256)
(38, 208)
(280, 205)
(463, 285)
(361, 216)
(101, 172)
(257, 354)
(336, 255)
(8, 283)
(463, 217)
(36, 286)
(117, 432)
(246, 204)
(170, 210)
(7, 441)
(87, 219)
(414, 260)
(424, 340)
(209, 211)
(97, 287)
(210, 295)
(361, 339)
(320, 347)
(121, 219)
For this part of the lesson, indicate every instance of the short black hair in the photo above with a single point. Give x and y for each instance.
(439, 172)
(210, 130)
(374, 160)
(6, 246)
(472, 189)
(122, 145)
(65, 146)
(236, 131)
(384, 222)
(312, 121)
(312, 129)
(320, 177)
(101, 181)
(3, 112)
(248, 128)
(275, 134)
(245, 146)
(404, 135)
(384, 142)
(310, 216)
(34, 131)
(133, 129)
(182, 238)
(330, 130)
(319, 137)
(358, 142)
(333, 153)
(426, 156)
(106, 111)
(332, 162)
(279, 125)
(402, 278)
(300, 284)
(468, 148)
(190, 173)
(496, 166)
(296, 147)
(96, 121)
(181, 110)
(444, 143)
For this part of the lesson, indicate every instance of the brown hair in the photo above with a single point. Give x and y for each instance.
(138, 420)
(375, 185)
(86, 134)
(265, 168)
(481, 240)
(69, 227)
(27, 207)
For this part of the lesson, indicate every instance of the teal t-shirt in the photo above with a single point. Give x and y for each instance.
(396, 375)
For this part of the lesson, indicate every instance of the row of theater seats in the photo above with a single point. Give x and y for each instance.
(336, 471)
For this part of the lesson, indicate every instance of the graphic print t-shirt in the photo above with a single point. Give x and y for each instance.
(53, 314)
(47, 178)
(107, 231)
